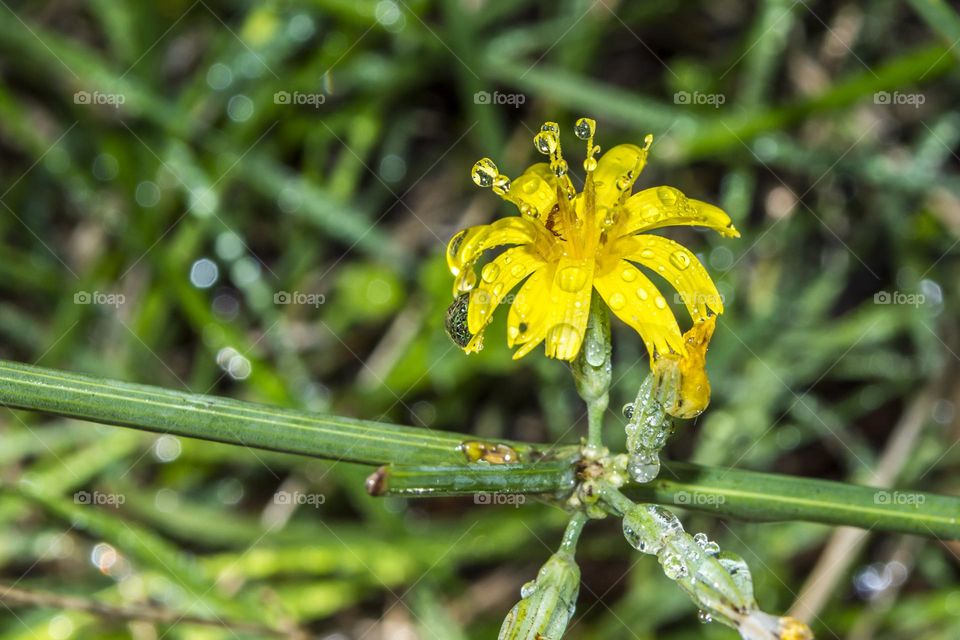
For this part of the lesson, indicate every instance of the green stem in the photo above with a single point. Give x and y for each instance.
(767, 497)
(572, 533)
(225, 420)
(729, 492)
(551, 476)
(592, 369)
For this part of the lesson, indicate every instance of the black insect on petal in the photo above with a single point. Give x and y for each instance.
(456, 321)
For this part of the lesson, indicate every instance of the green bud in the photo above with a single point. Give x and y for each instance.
(547, 603)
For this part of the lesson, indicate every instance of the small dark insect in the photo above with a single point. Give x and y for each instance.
(456, 321)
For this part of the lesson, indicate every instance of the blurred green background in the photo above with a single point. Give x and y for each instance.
(252, 199)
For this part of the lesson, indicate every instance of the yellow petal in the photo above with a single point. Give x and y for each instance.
(686, 376)
(623, 163)
(569, 307)
(636, 301)
(527, 320)
(465, 247)
(667, 207)
(497, 278)
(535, 189)
(678, 266)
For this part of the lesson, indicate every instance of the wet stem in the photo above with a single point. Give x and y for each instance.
(592, 369)
(722, 492)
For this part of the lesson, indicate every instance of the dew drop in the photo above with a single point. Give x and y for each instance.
(528, 589)
(629, 275)
(680, 259)
(585, 128)
(646, 253)
(704, 616)
(545, 142)
(667, 195)
(660, 302)
(642, 293)
(517, 270)
(484, 172)
(673, 566)
(589, 164)
(617, 301)
(501, 185)
(628, 410)
(595, 353)
(530, 185)
(644, 468)
(571, 279)
(490, 272)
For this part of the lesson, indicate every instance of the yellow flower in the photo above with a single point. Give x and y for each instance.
(566, 244)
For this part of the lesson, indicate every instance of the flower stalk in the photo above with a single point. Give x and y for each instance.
(593, 370)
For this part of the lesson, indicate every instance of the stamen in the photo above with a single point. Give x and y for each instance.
(486, 174)
(585, 130)
(547, 142)
(625, 182)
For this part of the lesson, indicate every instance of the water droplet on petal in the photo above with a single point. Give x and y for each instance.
(617, 301)
(680, 259)
(660, 302)
(530, 185)
(628, 410)
(704, 616)
(629, 275)
(517, 270)
(667, 195)
(646, 253)
(490, 272)
(571, 279)
(642, 293)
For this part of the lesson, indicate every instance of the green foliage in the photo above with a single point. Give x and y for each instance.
(839, 197)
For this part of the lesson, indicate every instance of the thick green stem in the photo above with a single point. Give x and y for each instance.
(742, 494)
(592, 370)
(553, 476)
(224, 420)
